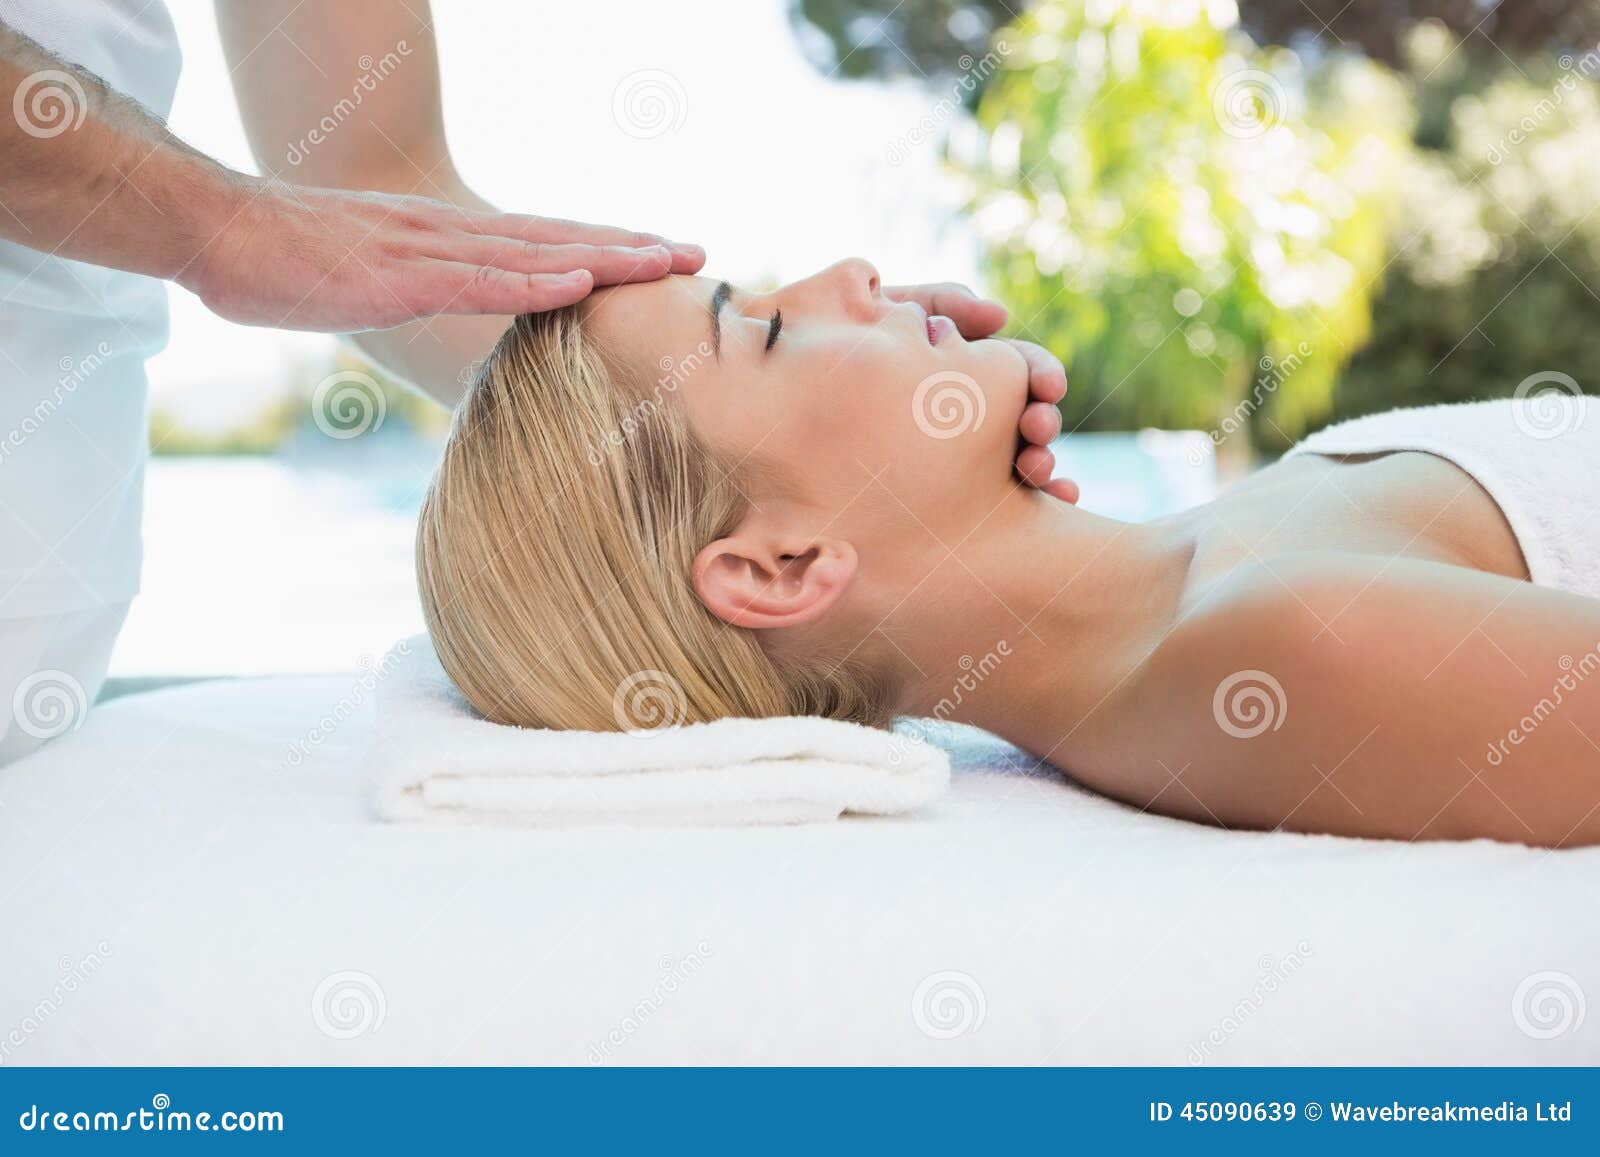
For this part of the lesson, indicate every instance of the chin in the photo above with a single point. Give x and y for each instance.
(1000, 376)
(1003, 375)
(969, 405)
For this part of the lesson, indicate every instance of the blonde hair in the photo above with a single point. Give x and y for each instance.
(554, 552)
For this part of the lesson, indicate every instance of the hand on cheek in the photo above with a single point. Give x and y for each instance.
(1035, 464)
(1047, 378)
(975, 317)
(1041, 421)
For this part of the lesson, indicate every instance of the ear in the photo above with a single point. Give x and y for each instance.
(748, 582)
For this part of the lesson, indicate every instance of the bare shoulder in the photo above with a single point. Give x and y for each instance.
(1372, 696)
(1328, 614)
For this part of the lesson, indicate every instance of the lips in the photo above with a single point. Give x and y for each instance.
(940, 328)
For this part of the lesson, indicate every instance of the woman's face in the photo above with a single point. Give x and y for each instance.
(829, 387)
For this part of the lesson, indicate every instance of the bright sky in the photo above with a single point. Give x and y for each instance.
(775, 170)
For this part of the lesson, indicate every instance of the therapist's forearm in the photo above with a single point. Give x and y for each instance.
(438, 354)
(389, 140)
(90, 175)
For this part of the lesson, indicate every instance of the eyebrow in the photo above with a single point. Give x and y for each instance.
(719, 298)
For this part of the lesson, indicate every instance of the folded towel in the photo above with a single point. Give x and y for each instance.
(434, 758)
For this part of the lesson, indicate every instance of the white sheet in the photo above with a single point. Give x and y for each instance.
(237, 908)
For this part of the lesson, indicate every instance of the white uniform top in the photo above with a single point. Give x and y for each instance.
(74, 338)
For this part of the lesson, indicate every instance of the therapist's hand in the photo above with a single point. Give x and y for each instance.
(296, 257)
(978, 318)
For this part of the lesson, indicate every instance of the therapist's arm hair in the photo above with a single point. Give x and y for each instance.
(86, 173)
(363, 112)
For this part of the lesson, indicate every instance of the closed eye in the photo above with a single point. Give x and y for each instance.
(774, 329)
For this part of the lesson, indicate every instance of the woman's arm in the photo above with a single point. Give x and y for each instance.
(1379, 697)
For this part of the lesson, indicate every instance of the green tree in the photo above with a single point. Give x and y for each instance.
(1382, 28)
(925, 38)
(1194, 223)
(1495, 274)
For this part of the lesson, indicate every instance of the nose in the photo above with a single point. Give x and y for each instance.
(849, 286)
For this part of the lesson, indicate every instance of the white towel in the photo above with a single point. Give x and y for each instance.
(1537, 455)
(434, 758)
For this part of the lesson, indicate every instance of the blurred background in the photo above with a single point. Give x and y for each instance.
(1235, 222)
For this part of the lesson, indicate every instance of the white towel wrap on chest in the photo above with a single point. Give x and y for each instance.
(1538, 457)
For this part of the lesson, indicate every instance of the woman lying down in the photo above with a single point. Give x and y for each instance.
(1356, 640)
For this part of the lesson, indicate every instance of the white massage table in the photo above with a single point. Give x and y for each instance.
(241, 909)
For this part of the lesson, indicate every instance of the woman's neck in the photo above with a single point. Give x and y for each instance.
(1035, 618)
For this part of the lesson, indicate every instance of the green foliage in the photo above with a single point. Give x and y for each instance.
(282, 418)
(1177, 212)
(922, 39)
(1497, 249)
(264, 433)
(1381, 28)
